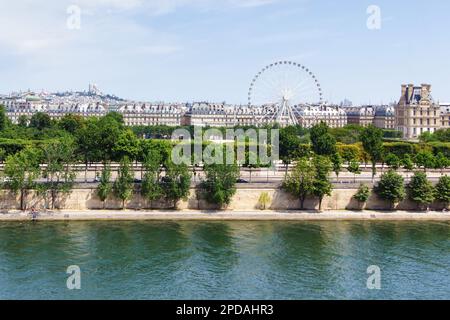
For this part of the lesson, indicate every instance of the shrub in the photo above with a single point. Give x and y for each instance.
(264, 200)
(363, 194)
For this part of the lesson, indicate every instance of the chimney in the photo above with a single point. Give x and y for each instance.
(410, 92)
(403, 90)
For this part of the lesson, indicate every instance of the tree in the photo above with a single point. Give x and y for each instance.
(176, 182)
(151, 184)
(441, 162)
(40, 121)
(58, 157)
(3, 118)
(219, 187)
(442, 190)
(372, 140)
(442, 135)
(105, 187)
(391, 187)
(322, 141)
(425, 159)
(392, 161)
(300, 182)
(89, 143)
(337, 161)
(322, 186)
(115, 116)
(23, 121)
(420, 190)
(289, 145)
(126, 145)
(71, 123)
(22, 169)
(108, 132)
(354, 168)
(123, 186)
(407, 163)
(362, 195)
(427, 137)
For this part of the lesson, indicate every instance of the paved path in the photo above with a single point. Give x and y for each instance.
(227, 215)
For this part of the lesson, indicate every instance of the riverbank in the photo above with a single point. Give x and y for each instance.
(227, 215)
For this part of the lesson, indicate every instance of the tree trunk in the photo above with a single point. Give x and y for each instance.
(373, 171)
(22, 199)
(302, 203)
(85, 171)
(320, 203)
(53, 199)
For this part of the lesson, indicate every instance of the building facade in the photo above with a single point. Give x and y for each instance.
(333, 116)
(384, 117)
(445, 115)
(416, 111)
(142, 114)
(361, 116)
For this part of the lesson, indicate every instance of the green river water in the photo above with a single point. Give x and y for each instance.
(225, 260)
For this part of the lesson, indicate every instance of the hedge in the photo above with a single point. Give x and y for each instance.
(400, 149)
(350, 152)
(438, 147)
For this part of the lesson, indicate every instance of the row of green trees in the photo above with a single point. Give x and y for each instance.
(310, 178)
(419, 190)
(371, 148)
(22, 170)
(171, 186)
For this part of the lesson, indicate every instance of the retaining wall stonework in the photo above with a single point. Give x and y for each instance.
(245, 199)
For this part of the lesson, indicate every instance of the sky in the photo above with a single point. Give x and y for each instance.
(210, 50)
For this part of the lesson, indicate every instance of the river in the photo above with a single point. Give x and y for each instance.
(225, 260)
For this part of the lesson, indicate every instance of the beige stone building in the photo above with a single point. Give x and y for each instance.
(333, 116)
(416, 112)
(142, 114)
(445, 115)
(385, 117)
(362, 116)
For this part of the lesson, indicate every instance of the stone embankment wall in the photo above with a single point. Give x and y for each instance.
(246, 198)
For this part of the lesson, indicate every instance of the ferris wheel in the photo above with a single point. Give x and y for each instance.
(279, 91)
